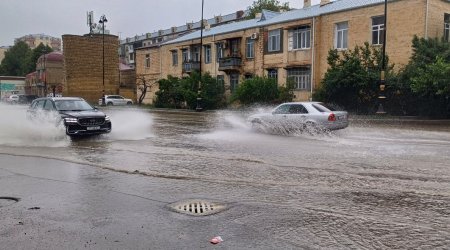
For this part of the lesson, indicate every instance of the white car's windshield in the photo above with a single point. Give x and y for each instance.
(72, 105)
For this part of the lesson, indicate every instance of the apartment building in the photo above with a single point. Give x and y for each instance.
(294, 45)
(33, 40)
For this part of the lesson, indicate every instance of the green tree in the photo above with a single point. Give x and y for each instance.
(262, 90)
(273, 5)
(177, 92)
(17, 60)
(256, 90)
(423, 84)
(37, 52)
(352, 80)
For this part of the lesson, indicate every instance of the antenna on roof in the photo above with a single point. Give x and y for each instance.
(90, 21)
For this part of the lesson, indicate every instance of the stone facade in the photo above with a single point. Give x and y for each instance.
(83, 66)
(406, 18)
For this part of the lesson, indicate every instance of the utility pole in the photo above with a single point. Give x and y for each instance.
(381, 96)
(199, 91)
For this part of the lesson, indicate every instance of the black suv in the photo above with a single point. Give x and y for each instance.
(78, 116)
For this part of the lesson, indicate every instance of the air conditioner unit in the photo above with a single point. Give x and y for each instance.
(254, 36)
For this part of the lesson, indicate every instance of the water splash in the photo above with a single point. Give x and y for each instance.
(17, 130)
(130, 125)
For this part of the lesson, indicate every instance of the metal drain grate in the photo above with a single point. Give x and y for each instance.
(197, 207)
(5, 201)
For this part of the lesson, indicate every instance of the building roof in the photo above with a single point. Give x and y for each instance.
(184, 28)
(53, 57)
(269, 18)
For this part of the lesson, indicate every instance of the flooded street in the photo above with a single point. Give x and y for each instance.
(369, 186)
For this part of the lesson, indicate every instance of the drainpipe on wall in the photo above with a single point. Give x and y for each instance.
(313, 57)
(426, 21)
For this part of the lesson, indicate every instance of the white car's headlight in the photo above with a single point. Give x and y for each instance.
(70, 120)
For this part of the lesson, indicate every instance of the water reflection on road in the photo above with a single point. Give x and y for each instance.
(366, 186)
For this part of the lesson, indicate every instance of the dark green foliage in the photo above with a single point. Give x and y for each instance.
(256, 90)
(352, 81)
(263, 91)
(182, 93)
(20, 59)
(273, 5)
(425, 81)
(17, 60)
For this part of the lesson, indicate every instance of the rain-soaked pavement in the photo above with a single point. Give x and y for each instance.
(370, 186)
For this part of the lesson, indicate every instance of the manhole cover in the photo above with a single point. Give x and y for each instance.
(5, 201)
(197, 207)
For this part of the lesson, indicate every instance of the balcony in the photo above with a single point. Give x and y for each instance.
(190, 66)
(232, 63)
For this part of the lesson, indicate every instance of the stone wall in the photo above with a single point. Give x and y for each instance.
(83, 66)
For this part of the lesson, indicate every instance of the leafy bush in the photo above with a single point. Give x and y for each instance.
(177, 92)
(352, 81)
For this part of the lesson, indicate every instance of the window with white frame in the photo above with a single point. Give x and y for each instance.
(207, 53)
(147, 60)
(301, 77)
(341, 36)
(300, 38)
(174, 57)
(447, 27)
(377, 30)
(250, 48)
(274, 40)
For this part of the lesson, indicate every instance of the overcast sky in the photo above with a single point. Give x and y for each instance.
(126, 18)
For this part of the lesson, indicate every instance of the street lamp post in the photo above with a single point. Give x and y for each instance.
(381, 96)
(199, 108)
(103, 20)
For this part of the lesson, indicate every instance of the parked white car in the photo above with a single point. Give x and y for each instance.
(13, 99)
(300, 116)
(115, 100)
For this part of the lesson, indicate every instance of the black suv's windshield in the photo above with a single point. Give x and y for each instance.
(72, 105)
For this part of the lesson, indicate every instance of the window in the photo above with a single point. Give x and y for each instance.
(250, 48)
(174, 57)
(377, 30)
(297, 109)
(185, 55)
(272, 73)
(221, 80)
(341, 34)
(147, 60)
(234, 46)
(48, 105)
(207, 53)
(131, 56)
(274, 40)
(196, 54)
(301, 77)
(301, 37)
(219, 51)
(447, 27)
(234, 82)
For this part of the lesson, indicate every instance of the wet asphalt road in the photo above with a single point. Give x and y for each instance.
(370, 186)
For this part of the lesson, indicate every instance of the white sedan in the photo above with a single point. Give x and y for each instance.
(115, 100)
(300, 116)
